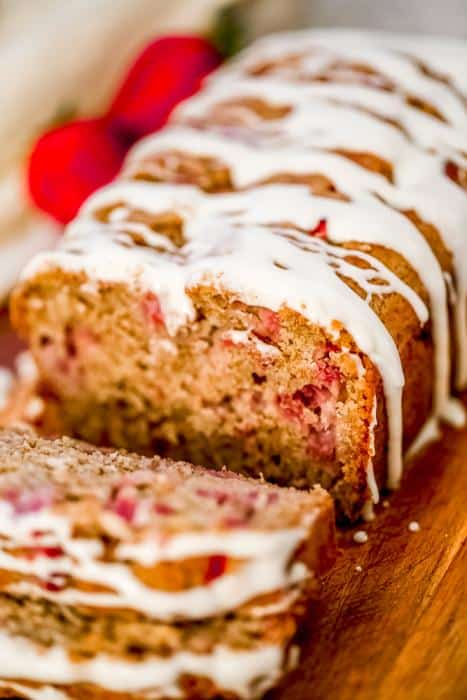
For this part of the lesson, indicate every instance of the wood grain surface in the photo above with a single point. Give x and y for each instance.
(397, 628)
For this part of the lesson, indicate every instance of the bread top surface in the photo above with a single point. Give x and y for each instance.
(74, 478)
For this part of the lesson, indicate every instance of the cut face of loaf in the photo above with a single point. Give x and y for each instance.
(139, 577)
(262, 391)
(273, 281)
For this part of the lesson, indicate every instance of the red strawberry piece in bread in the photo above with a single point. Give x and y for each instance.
(320, 230)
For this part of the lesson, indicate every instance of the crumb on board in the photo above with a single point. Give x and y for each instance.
(414, 526)
(368, 512)
(358, 568)
(6, 382)
(25, 366)
(360, 537)
(385, 504)
(34, 408)
(293, 657)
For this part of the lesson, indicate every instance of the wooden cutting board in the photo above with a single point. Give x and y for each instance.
(397, 628)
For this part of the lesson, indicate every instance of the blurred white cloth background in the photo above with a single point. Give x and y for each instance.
(58, 54)
(448, 17)
(64, 54)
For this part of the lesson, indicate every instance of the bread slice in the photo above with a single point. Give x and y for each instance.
(140, 576)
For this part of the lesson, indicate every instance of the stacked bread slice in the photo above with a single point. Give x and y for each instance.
(123, 576)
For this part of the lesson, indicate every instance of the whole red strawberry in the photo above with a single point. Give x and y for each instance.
(68, 163)
(168, 71)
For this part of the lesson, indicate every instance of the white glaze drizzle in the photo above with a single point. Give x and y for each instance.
(275, 204)
(361, 104)
(201, 602)
(226, 593)
(320, 50)
(429, 433)
(266, 557)
(44, 692)
(372, 484)
(316, 120)
(230, 670)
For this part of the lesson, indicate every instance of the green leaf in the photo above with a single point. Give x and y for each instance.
(229, 33)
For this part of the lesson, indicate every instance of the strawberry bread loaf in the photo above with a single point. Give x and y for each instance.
(277, 281)
(124, 576)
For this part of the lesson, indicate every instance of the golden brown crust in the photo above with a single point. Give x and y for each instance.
(168, 224)
(209, 174)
